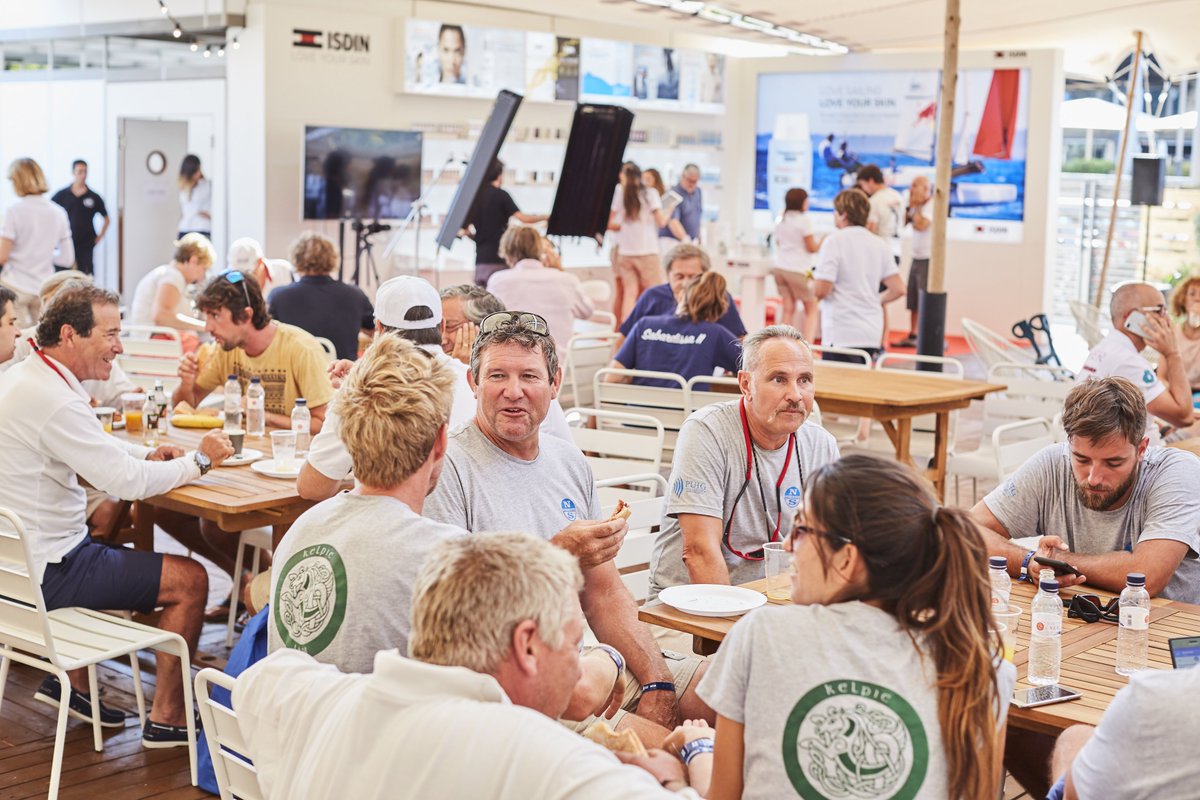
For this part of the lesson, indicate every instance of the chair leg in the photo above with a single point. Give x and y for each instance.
(138, 691)
(60, 736)
(94, 694)
(3, 675)
(237, 583)
(188, 704)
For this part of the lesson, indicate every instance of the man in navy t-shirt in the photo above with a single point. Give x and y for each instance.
(82, 206)
(685, 263)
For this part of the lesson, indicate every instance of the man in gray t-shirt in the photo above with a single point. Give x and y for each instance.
(714, 513)
(1103, 501)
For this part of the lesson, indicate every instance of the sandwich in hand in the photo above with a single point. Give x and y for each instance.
(622, 511)
(624, 742)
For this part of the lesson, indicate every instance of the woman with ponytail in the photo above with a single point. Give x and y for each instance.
(882, 680)
(635, 218)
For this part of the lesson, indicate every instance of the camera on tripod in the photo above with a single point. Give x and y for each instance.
(369, 228)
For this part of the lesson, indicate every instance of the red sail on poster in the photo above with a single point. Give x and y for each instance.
(998, 126)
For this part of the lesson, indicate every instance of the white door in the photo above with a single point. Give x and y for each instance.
(147, 197)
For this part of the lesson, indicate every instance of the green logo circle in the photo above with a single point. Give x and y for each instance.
(851, 739)
(310, 599)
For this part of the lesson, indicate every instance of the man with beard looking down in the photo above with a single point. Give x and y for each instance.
(1104, 501)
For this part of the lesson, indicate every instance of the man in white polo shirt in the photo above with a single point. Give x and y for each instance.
(1168, 395)
(50, 441)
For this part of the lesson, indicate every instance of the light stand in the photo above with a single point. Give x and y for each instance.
(418, 210)
(362, 249)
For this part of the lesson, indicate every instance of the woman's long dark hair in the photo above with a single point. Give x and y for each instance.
(187, 172)
(631, 175)
(927, 566)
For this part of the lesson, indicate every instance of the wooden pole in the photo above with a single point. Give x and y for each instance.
(1112, 214)
(945, 144)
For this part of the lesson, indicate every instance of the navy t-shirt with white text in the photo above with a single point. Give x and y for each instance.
(661, 300)
(671, 343)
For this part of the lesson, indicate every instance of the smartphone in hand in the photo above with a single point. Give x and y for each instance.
(1059, 567)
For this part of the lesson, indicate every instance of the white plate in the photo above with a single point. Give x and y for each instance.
(712, 600)
(247, 456)
(270, 469)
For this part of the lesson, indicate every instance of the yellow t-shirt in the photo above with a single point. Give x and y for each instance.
(292, 366)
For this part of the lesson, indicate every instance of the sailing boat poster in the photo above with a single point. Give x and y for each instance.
(814, 130)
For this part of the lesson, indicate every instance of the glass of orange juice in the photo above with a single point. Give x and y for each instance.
(131, 409)
(1009, 620)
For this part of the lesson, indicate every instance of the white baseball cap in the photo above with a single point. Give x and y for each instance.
(244, 254)
(396, 296)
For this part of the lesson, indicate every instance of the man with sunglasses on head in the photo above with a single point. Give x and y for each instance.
(289, 362)
(1104, 501)
(1139, 316)
(500, 474)
(739, 468)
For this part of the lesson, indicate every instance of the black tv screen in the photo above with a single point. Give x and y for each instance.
(360, 173)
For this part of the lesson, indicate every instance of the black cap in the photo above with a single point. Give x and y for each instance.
(998, 562)
(1135, 579)
(1048, 586)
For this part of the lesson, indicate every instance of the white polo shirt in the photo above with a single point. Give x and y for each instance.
(1115, 356)
(855, 261)
(50, 439)
(415, 730)
(41, 237)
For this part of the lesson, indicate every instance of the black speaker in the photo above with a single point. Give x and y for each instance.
(591, 167)
(1149, 179)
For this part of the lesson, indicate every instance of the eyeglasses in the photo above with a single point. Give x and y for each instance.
(1158, 309)
(1087, 607)
(800, 530)
(516, 319)
(237, 278)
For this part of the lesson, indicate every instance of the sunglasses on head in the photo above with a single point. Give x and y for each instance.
(236, 277)
(1088, 608)
(515, 319)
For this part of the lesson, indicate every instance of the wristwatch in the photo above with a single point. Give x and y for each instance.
(203, 462)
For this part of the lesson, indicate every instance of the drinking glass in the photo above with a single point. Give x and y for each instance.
(131, 409)
(283, 448)
(779, 571)
(1011, 621)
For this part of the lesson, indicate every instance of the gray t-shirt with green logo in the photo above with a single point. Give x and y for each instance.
(483, 488)
(1040, 499)
(836, 703)
(707, 475)
(343, 577)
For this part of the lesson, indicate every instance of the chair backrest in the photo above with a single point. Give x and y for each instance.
(1033, 391)
(327, 346)
(862, 357)
(707, 397)
(597, 291)
(236, 775)
(1017, 442)
(950, 367)
(991, 347)
(1089, 322)
(670, 406)
(586, 354)
(151, 353)
(23, 623)
(620, 443)
(647, 509)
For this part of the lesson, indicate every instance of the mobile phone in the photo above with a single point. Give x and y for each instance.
(1059, 567)
(1136, 323)
(1043, 696)
(1185, 651)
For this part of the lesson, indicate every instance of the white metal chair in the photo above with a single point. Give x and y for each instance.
(1032, 391)
(586, 353)
(72, 638)
(620, 443)
(991, 347)
(235, 773)
(598, 291)
(327, 346)
(260, 541)
(1010, 446)
(670, 406)
(862, 357)
(1090, 322)
(151, 353)
(647, 508)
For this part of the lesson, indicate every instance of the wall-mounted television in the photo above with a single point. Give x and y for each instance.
(360, 173)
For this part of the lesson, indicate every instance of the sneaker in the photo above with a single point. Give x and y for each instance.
(79, 706)
(907, 341)
(157, 735)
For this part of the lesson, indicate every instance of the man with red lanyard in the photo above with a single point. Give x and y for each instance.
(739, 468)
(51, 441)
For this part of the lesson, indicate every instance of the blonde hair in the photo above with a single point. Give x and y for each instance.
(704, 299)
(393, 404)
(472, 592)
(313, 254)
(854, 205)
(27, 177)
(520, 242)
(51, 285)
(1179, 295)
(194, 244)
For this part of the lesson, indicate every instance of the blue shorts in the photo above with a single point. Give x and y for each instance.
(1056, 791)
(103, 577)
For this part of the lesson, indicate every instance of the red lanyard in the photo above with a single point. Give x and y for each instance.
(49, 363)
(751, 469)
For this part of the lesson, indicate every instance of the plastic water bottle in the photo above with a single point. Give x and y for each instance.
(150, 421)
(301, 423)
(160, 400)
(1133, 637)
(233, 404)
(256, 410)
(1045, 640)
(1001, 583)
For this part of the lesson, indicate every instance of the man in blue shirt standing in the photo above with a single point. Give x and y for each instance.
(684, 225)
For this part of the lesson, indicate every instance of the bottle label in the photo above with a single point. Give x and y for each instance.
(1045, 624)
(300, 426)
(1135, 619)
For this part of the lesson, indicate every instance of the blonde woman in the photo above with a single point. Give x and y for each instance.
(34, 240)
(195, 198)
(162, 295)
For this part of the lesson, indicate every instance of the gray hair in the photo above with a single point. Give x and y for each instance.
(682, 251)
(517, 333)
(754, 342)
(691, 168)
(477, 302)
(473, 592)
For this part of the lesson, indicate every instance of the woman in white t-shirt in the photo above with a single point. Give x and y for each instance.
(635, 218)
(882, 679)
(161, 296)
(195, 198)
(34, 239)
(794, 248)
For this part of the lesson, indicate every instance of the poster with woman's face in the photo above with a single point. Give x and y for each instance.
(435, 57)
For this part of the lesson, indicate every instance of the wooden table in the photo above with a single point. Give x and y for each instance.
(234, 498)
(894, 397)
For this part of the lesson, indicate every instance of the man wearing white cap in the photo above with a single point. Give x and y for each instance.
(246, 255)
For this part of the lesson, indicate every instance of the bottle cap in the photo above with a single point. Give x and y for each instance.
(232, 378)
(1049, 586)
(1135, 579)
(256, 379)
(998, 562)
(300, 401)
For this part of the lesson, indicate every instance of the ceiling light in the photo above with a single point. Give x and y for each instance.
(177, 32)
(162, 7)
(751, 24)
(207, 52)
(220, 51)
(659, 3)
(687, 6)
(718, 14)
(194, 47)
(236, 43)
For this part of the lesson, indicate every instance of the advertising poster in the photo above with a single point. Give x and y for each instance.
(435, 58)
(497, 61)
(655, 73)
(815, 130)
(607, 68)
(551, 67)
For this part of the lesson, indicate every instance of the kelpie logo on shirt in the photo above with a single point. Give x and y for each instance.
(310, 599)
(852, 739)
(569, 510)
